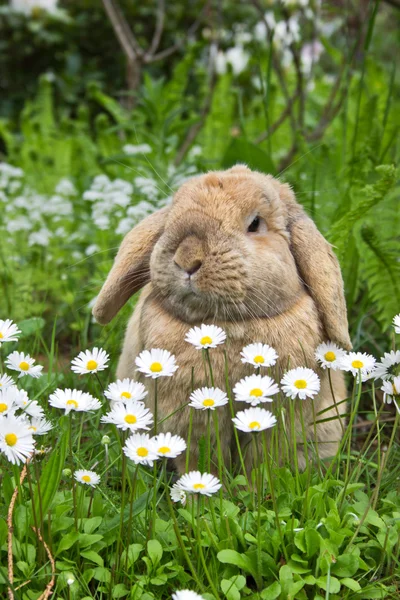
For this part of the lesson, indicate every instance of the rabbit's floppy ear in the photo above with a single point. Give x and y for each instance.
(319, 269)
(131, 269)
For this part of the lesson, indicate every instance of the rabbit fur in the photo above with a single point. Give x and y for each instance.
(198, 263)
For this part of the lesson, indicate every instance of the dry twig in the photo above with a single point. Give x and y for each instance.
(49, 587)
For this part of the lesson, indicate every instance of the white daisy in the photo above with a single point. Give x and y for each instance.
(166, 445)
(18, 361)
(125, 389)
(21, 399)
(5, 382)
(178, 494)
(356, 362)
(388, 366)
(39, 426)
(73, 400)
(259, 355)
(254, 419)
(396, 323)
(132, 415)
(208, 398)
(391, 389)
(186, 595)
(156, 363)
(90, 361)
(8, 331)
(7, 403)
(301, 382)
(88, 477)
(255, 389)
(205, 336)
(16, 441)
(328, 355)
(138, 448)
(199, 483)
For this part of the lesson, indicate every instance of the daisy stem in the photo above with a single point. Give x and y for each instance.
(132, 498)
(208, 441)
(189, 440)
(178, 533)
(122, 509)
(334, 401)
(316, 437)
(294, 443)
(257, 469)
(235, 432)
(305, 446)
(219, 450)
(203, 561)
(210, 367)
(80, 432)
(90, 503)
(155, 406)
(204, 356)
(71, 459)
(378, 431)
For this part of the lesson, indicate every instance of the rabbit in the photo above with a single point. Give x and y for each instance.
(233, 249)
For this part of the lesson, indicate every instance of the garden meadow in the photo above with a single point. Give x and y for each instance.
(91, 506)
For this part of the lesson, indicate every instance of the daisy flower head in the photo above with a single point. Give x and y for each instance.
(156, 363)
(254, 419)
(391, 390)
(166, 445)
(9, 332)
(125, 390)
(186, 595)
(388, 366)
(208, 398)
(259, 355)
(73, 400)
(205, 336)
(18, 361)
(301, 382)
(16, 441)
(328, 355)
(132, 415)
(255, 389)
(5, 382)
(7, 403)
(396, 323)
(139, 448)
(90, 361)
(199, 483)
(87, 477)
(358, 362)
(39, 426)
(178, 494)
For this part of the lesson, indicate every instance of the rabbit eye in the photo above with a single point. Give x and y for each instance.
(254, 225)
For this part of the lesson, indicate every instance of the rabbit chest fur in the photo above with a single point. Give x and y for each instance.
(234, 249)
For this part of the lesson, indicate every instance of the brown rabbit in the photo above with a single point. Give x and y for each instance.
(234, 249)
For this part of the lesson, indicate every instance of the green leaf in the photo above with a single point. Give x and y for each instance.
(333, 586)
(92, 524)
(21, 518)
(120, 590)
(93, 557)
(313, 542)
(31, 326)
(345, 565)
(102, 574)
(352, 584)
(85, 539)
(231, 587)
(67, 541)
(271, 592)
(155, 551)
(241, 150)
(134, 551)
(231, 557)
(50, 477)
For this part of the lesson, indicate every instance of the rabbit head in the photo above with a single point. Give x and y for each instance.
(233, 245)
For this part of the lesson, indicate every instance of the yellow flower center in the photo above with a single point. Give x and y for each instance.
(156, 367)
(199, 486)
(24, 366)
(142, 452)
(1, 336)
(131, 419)
(11, 439)
(254, 425)
(164, 450)
(91, 365)
(357, 364)
(33, 428)
(3, 407)
(206, 340)
(301, 384)
(72, 403)
(208, 402)
(86, 478)
(256, 392)
(126, 395)
(330, 356)
(259, 359)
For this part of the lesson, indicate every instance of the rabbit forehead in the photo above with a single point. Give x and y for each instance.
(225, 196)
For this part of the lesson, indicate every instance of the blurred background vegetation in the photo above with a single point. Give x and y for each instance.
(107, 106)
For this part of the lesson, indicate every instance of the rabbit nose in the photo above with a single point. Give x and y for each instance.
(189, 256)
